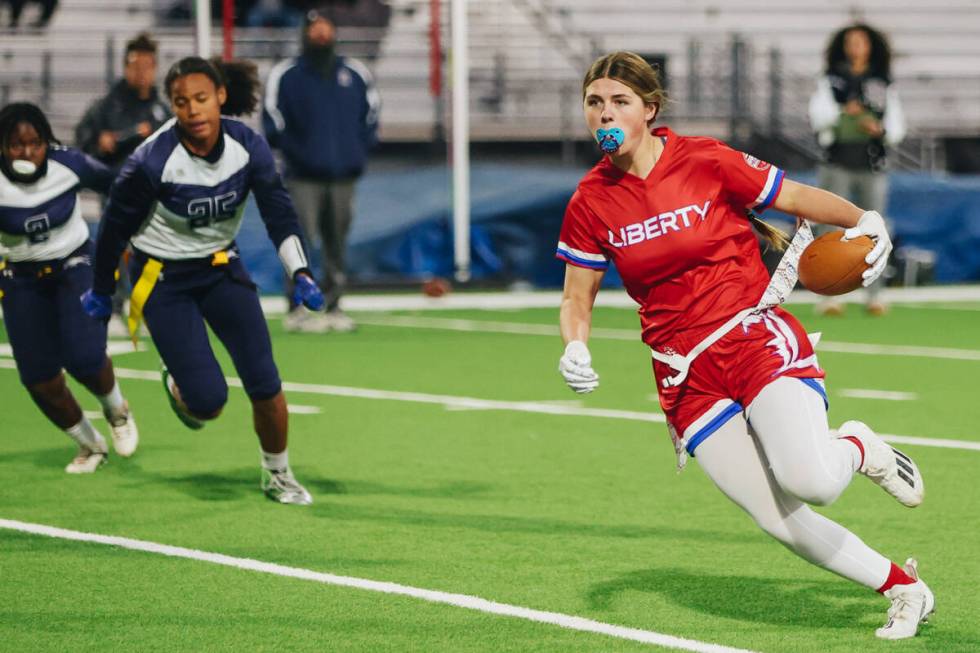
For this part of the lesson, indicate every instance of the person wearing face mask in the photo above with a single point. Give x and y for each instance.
(47, 264)
(321, 112)
(857, 115)
(738, 379)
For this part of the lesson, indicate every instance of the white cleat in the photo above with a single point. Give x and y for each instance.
(340, 321)
(911, 606)
(303, 320)
(280, 485)
(886, 466)
(125, 435)
(86, 461)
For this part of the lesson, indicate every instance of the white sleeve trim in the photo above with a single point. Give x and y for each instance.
(292, 256)
(894, 120)
(764, 199)
(371, 92)
(272, 93)
(577, 253)
(824, 112)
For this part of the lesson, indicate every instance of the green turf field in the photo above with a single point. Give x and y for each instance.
(579, 515)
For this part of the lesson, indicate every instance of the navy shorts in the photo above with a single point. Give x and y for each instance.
(46, 326)
(189, 294)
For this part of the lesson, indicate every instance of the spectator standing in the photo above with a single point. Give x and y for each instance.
(321, 112)
(857, 114)
(116, 124)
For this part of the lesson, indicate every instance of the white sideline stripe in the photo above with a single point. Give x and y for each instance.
(471, 403)
(449, 401)
(296, 409)
(931, 442)
(614, 298)
(433, 596)
(113, 348)
(490, 326)
(899, 350)
(945, 307)
(886, 395)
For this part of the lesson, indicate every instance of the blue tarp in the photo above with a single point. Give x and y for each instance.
(402, 224)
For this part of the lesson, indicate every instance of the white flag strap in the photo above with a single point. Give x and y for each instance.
(780, 285)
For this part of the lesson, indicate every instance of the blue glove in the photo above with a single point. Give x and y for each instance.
(96, 304)
(306, 292)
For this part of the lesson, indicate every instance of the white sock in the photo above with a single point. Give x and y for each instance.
(113, 403)
(85, 434)
(275, 461)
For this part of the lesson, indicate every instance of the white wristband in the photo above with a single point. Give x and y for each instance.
(292, 256)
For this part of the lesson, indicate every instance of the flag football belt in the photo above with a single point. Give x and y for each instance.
(780, 285)
(151, 274)
(42, 269)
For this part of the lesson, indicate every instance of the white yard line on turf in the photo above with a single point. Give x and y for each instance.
(433, 596)
(113, 348)
(295, 409)
(946, 307)
(456, 402)
(491, 326)
(613, 298)
(885, 395)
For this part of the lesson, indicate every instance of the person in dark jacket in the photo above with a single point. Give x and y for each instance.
(321, 112)
(116, 124)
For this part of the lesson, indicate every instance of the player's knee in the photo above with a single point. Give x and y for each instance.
(86, 364)
(261, 379)
(812, 489)
(206, 403)
(46, 389)
(775, 529)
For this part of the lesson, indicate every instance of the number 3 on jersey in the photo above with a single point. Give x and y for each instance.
(204, 211)
(37, 228)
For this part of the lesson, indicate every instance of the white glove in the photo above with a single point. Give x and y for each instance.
(576, 366)
(873, 225)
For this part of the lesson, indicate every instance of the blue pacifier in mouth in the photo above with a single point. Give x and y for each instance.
(610, 140)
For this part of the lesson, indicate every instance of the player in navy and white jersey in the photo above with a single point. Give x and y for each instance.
(179, 200)
(47, 264)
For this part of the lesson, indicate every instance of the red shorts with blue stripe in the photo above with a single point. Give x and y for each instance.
(725, 378)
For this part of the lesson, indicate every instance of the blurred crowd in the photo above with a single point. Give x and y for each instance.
(46, 9)
(289, 13)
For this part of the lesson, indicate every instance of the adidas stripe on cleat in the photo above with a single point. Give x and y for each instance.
(894, 471)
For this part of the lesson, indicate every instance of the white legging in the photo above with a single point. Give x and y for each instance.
(782, 458)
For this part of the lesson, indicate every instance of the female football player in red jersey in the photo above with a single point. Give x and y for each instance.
(738, 378)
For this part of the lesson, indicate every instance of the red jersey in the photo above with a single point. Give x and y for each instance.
(680, 238)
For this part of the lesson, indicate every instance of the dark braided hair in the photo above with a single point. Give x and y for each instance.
(239, 77)
(880, 60)
(17, 112)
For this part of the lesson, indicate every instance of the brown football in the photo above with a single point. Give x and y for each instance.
(831, 266)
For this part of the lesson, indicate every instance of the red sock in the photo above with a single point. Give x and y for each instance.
(857, 443)
(896, 576)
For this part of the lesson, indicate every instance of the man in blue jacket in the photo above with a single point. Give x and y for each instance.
(321, 112)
